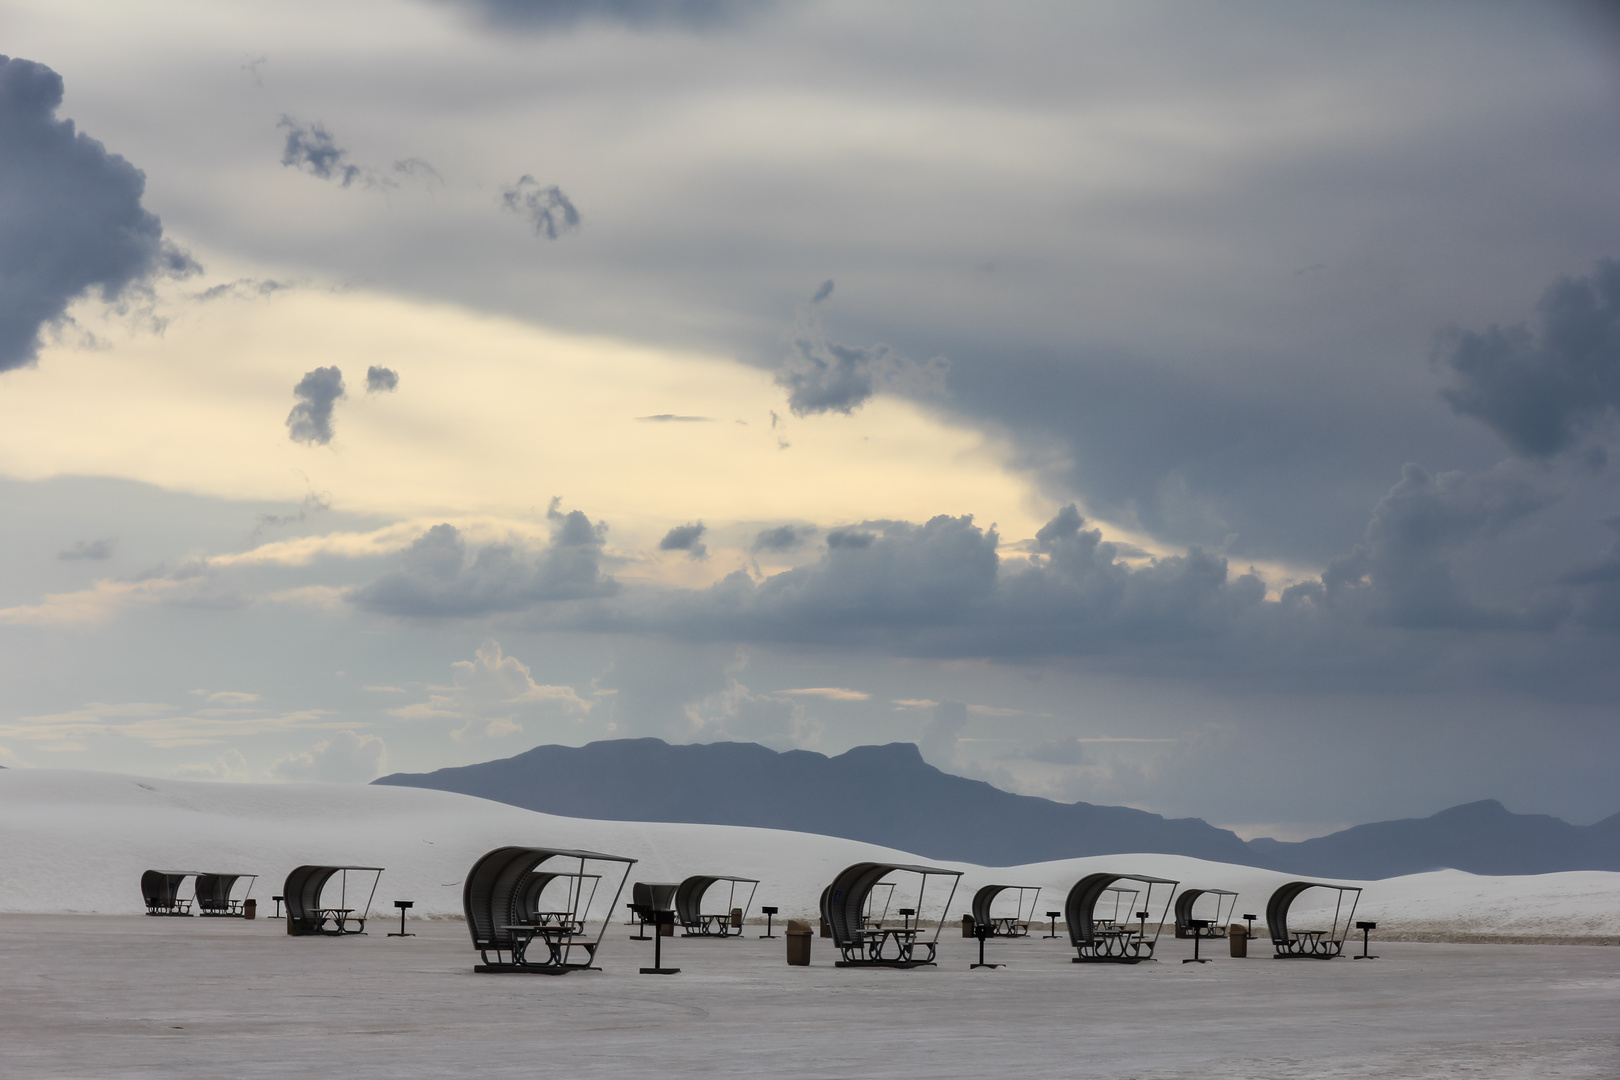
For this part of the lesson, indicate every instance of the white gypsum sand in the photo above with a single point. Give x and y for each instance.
(74, 841)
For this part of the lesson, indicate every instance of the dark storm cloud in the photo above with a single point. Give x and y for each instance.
(544, 205)
(89, 549)
(823, 376)
(1543, 385)
(310, 148)
(783, 537)
(551, 15)
(686, 538)
(1598, 586)
(71, 218)
(310, 421)
(439, 576)
(1406, 561)
(381, 380)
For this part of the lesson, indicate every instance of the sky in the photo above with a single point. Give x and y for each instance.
(1210, 409)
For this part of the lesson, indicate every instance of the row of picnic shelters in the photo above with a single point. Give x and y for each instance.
(528, 909)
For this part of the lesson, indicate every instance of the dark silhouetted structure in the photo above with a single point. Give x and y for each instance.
(698, 923)
(1187, 902)
(1014, 925)
(213, 893)
(302, 893)
(161, 891)
(501, 899)
(1309, 944)
(865, 943)
(1111, 940)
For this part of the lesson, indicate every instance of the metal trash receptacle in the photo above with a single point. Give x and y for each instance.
(967, 926)
(250, 909)
(736, 918)
(1237, 940)
(799, 936)
(826, 931)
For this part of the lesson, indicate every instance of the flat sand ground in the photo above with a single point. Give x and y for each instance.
(114, 996)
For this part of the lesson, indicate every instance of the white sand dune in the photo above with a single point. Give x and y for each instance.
(78, 842)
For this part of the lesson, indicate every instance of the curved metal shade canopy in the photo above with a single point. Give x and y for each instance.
(1225, 900)
(654, 895)
(213, 893)
(987, 894)
(302, 895)
(843, 906)
(529, 892)
(499, 888)
(689, 900)
(1313, 944)
(1112, 947)
(161, 891)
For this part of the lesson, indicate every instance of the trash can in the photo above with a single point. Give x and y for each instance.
(736, 918)
(826, 931)
(798, 937)
(250, 909)
(1237, 940)
(967, 926)
(666, 929)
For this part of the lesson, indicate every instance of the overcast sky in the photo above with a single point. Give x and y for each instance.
(1211, 409)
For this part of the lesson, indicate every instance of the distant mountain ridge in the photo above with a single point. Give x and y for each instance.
(889, 795)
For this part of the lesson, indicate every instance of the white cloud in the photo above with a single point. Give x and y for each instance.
(230, 766)
(159, 725)
(736, 712)
(491, 696)
(831, 693)
(344, 758)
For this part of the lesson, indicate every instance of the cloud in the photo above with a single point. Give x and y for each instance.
(491, 694)
(783, 537)
(243, 289)
(381, 380)
(1405, 563)
(831, 693)
(1543, 385)
(345, 758)
(160, 725)
(228, 697)
(671, 418)
(823, 292)
(1057, 752)
(546, 207)
(310, 148)
(71, 218)
(314, 503)
(823, 376)
(686, 538)
(310, 421)
(229, 767)
(439, 577)
(942, 732)
(736, 712)
(89, 549)
(556, 15)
